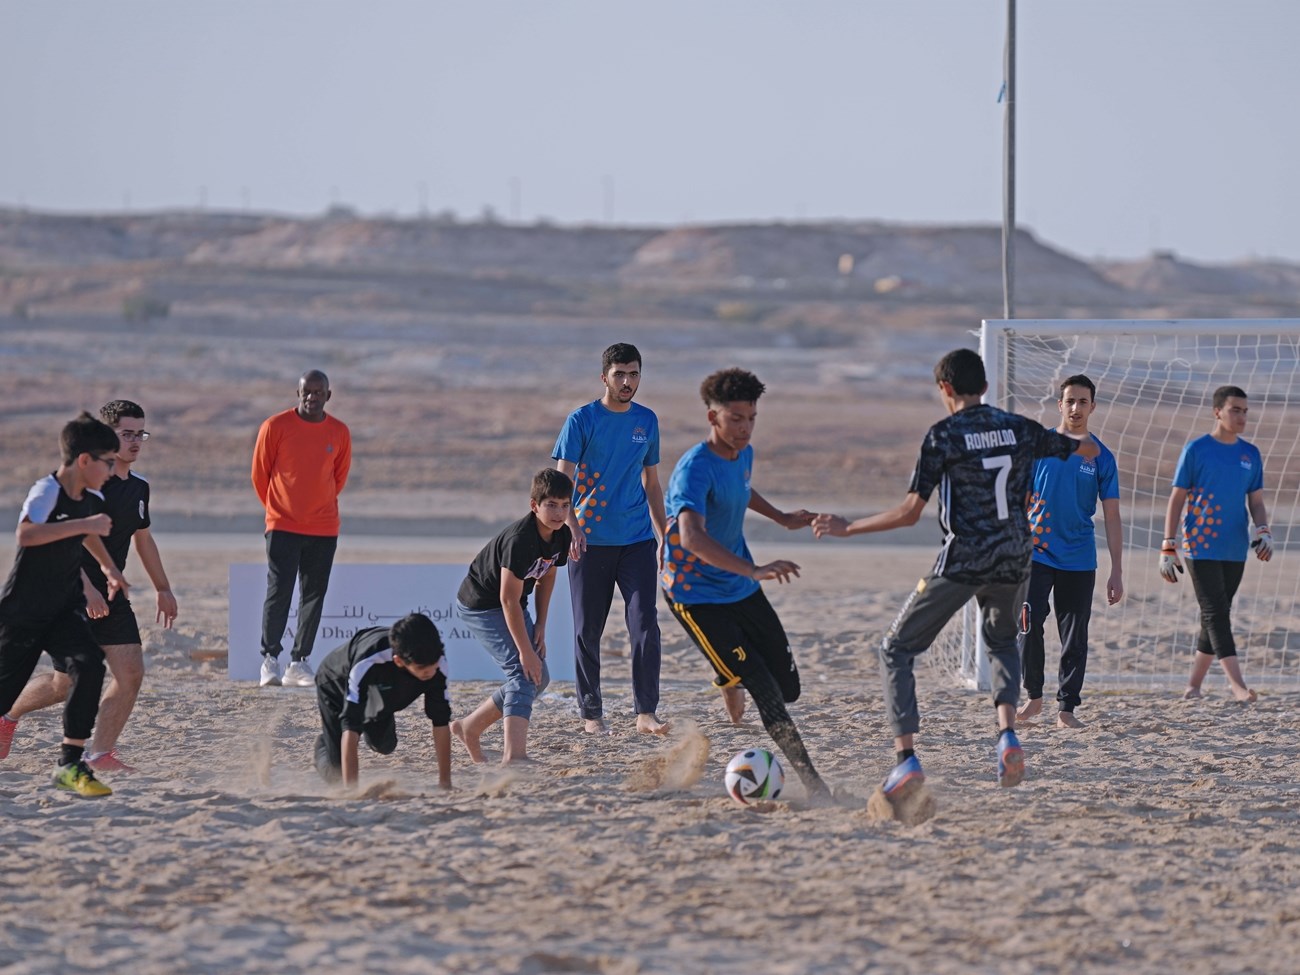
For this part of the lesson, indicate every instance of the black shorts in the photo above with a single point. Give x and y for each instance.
(119, 627)
(63, 638)
(737, 638)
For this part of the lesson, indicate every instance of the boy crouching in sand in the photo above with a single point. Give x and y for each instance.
(493, 602)
(362, 685)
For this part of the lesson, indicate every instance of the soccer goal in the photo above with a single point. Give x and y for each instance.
(1155, 380)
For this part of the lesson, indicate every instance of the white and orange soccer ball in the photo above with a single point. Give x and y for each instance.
(754, 774)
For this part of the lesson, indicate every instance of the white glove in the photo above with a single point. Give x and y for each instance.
(1169, 564)
(1263, 543)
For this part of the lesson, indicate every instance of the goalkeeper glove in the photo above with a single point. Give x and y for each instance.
(1169, 564)
(1263, 543)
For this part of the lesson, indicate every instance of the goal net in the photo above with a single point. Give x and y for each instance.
(1155, 381)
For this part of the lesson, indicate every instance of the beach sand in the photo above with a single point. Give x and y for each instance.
(1163, 837)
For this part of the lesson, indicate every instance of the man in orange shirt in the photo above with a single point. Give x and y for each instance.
(300, 464)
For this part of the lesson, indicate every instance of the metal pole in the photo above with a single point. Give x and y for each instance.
(1009, 171)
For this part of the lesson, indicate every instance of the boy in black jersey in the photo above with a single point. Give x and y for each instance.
(112, 619)
(493, 602)
(982, 461)
(361, 685)
(43, 606)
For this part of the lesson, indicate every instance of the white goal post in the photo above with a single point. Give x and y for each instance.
(1155, 380)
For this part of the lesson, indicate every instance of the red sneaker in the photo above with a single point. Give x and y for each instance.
(109, 762)
(7, 729)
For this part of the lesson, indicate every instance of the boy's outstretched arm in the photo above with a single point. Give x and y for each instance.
(902, 516)
(696, 538)
(442, 750)
(787, 519)
(349, 754)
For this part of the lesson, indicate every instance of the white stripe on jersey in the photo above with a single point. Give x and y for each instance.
(945, 507)
(360, 669)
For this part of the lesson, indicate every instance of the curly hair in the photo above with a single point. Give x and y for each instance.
(731, 386)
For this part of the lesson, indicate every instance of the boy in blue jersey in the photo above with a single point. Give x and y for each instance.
(980, 459)
(712, 582)
(610, 448)
(1061, 507)
(1219, 478)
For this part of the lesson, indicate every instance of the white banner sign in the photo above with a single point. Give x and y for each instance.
(363, 595)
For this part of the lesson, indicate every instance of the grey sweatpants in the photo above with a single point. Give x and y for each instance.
(926, 611)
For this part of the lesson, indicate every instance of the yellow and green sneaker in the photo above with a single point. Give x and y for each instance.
(78, 778)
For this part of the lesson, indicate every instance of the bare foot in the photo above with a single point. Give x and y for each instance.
(1066, 719)
(733, 698)
(649, 724)
(595, 726)
(1192, 694)
(469, 741)
(1243, 694)
(1032, 709)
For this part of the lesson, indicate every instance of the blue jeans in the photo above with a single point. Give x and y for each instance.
(514, 699)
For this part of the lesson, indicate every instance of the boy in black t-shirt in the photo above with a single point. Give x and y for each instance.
(981, 459)
(361, 685)
(493, 602)
(43, 606)
(112, 617)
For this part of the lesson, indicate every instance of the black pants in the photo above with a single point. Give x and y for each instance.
(379, 732)
(68, 641)
(591, 586)
(290, 558)
(1215, 583)
(747, 646)
(1071, 594)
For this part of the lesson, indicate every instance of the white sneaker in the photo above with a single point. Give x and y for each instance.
(299, 674)
(270, 673)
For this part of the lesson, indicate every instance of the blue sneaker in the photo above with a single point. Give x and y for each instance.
(1011, 760)
(905, 779)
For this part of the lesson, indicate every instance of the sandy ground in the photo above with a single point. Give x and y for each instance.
(1163, 837)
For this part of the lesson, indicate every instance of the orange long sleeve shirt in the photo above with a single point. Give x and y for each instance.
(299, 468)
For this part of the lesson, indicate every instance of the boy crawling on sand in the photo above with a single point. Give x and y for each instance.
(493, 602)
(362, 685)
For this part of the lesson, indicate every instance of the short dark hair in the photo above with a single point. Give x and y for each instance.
(314, 374)
(416, 640)
(619, 352)
(964, 369)
(1222, 394)
(113, 411)
(1079, 380)
(86, 435)
(731, 386)
(550, 483)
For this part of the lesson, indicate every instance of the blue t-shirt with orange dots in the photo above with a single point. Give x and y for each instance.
(718, 489)
(610, 451)
(1062, 503)
(1218, 477)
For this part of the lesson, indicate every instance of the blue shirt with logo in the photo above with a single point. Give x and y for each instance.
(610, 451)
(1062, 503)
(718, 489)
(1218, 477)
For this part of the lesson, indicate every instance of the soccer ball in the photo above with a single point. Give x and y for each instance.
(753, 774)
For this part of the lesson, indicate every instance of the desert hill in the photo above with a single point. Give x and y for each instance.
(456, 350)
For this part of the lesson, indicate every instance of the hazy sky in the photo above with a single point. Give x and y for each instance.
(1142, 123)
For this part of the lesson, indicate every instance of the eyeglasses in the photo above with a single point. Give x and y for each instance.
(110, 460)
(130, 435)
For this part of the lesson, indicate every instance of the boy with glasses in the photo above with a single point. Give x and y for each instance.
(493, 602)
(112, 619)
(43, 606)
